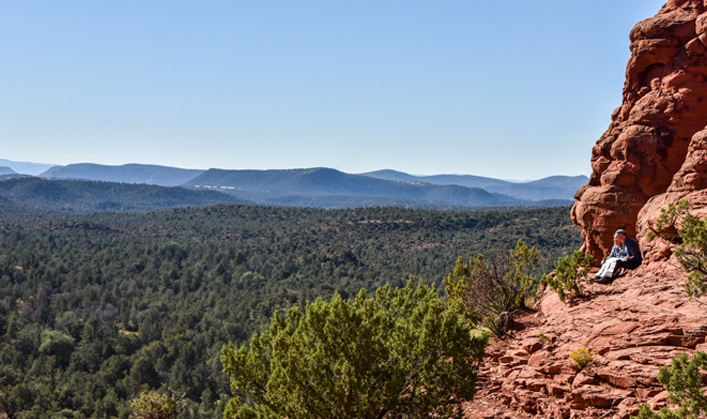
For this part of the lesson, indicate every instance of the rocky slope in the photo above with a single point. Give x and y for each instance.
(633, 327)
(654, 150)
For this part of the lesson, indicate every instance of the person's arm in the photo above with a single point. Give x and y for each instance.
(632, 250)
(614, 252)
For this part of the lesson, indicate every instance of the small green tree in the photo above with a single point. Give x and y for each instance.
(153, 405)
(143, 372)
(487, 289)
(568, 271)
(683, 382)
(57, 344)
(692, 253)
(400, 354)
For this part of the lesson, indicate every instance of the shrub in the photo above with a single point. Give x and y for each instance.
(153, 405)
(489, 289)
(581, 357)
(692, 253)
(400, 354)
(683, 382)
(568, 271)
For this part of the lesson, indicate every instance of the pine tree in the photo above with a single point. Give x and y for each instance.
(400, 354)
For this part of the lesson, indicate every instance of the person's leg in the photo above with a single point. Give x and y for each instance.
(608, 267)
(629, 264)
(602, 271)
(606, 272)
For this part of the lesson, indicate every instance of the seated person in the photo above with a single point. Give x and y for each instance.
(624, 255)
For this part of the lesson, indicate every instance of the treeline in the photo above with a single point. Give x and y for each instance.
(95, 308)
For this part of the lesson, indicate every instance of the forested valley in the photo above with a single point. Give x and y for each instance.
(95, 308)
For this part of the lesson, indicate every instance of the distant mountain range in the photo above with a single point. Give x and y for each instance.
(128, 173)
(469, 181)
(331, 188)
(554, 187)
(5, 171)
(81, 196)
(26, 168)
(314, 187)
(8, 173)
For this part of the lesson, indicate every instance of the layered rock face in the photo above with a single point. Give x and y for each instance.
(655, 150)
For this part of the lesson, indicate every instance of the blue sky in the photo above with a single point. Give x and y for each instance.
(511, 89)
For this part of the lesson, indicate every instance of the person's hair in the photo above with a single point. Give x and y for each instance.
(620, 232)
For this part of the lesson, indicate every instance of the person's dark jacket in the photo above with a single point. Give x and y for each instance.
(628, 250)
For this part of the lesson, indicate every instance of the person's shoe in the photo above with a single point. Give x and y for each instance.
(621, 272)
(601, 280)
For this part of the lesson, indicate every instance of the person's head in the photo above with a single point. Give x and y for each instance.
(620, 236)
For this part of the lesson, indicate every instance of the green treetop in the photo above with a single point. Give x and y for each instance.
(400, 354)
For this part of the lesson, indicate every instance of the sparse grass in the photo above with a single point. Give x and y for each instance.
(650, 235)
(582, 357)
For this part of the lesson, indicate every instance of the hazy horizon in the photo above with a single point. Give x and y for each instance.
(35, 172)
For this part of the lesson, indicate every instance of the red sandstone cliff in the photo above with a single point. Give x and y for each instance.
(653, 154)
(654, 150)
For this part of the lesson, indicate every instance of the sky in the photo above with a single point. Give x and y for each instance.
(512, 89)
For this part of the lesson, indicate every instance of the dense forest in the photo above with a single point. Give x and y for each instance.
(96, 307)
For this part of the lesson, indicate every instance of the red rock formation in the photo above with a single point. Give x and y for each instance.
(689, 183)
(653, 154)
(633, 327)
(643, 153)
